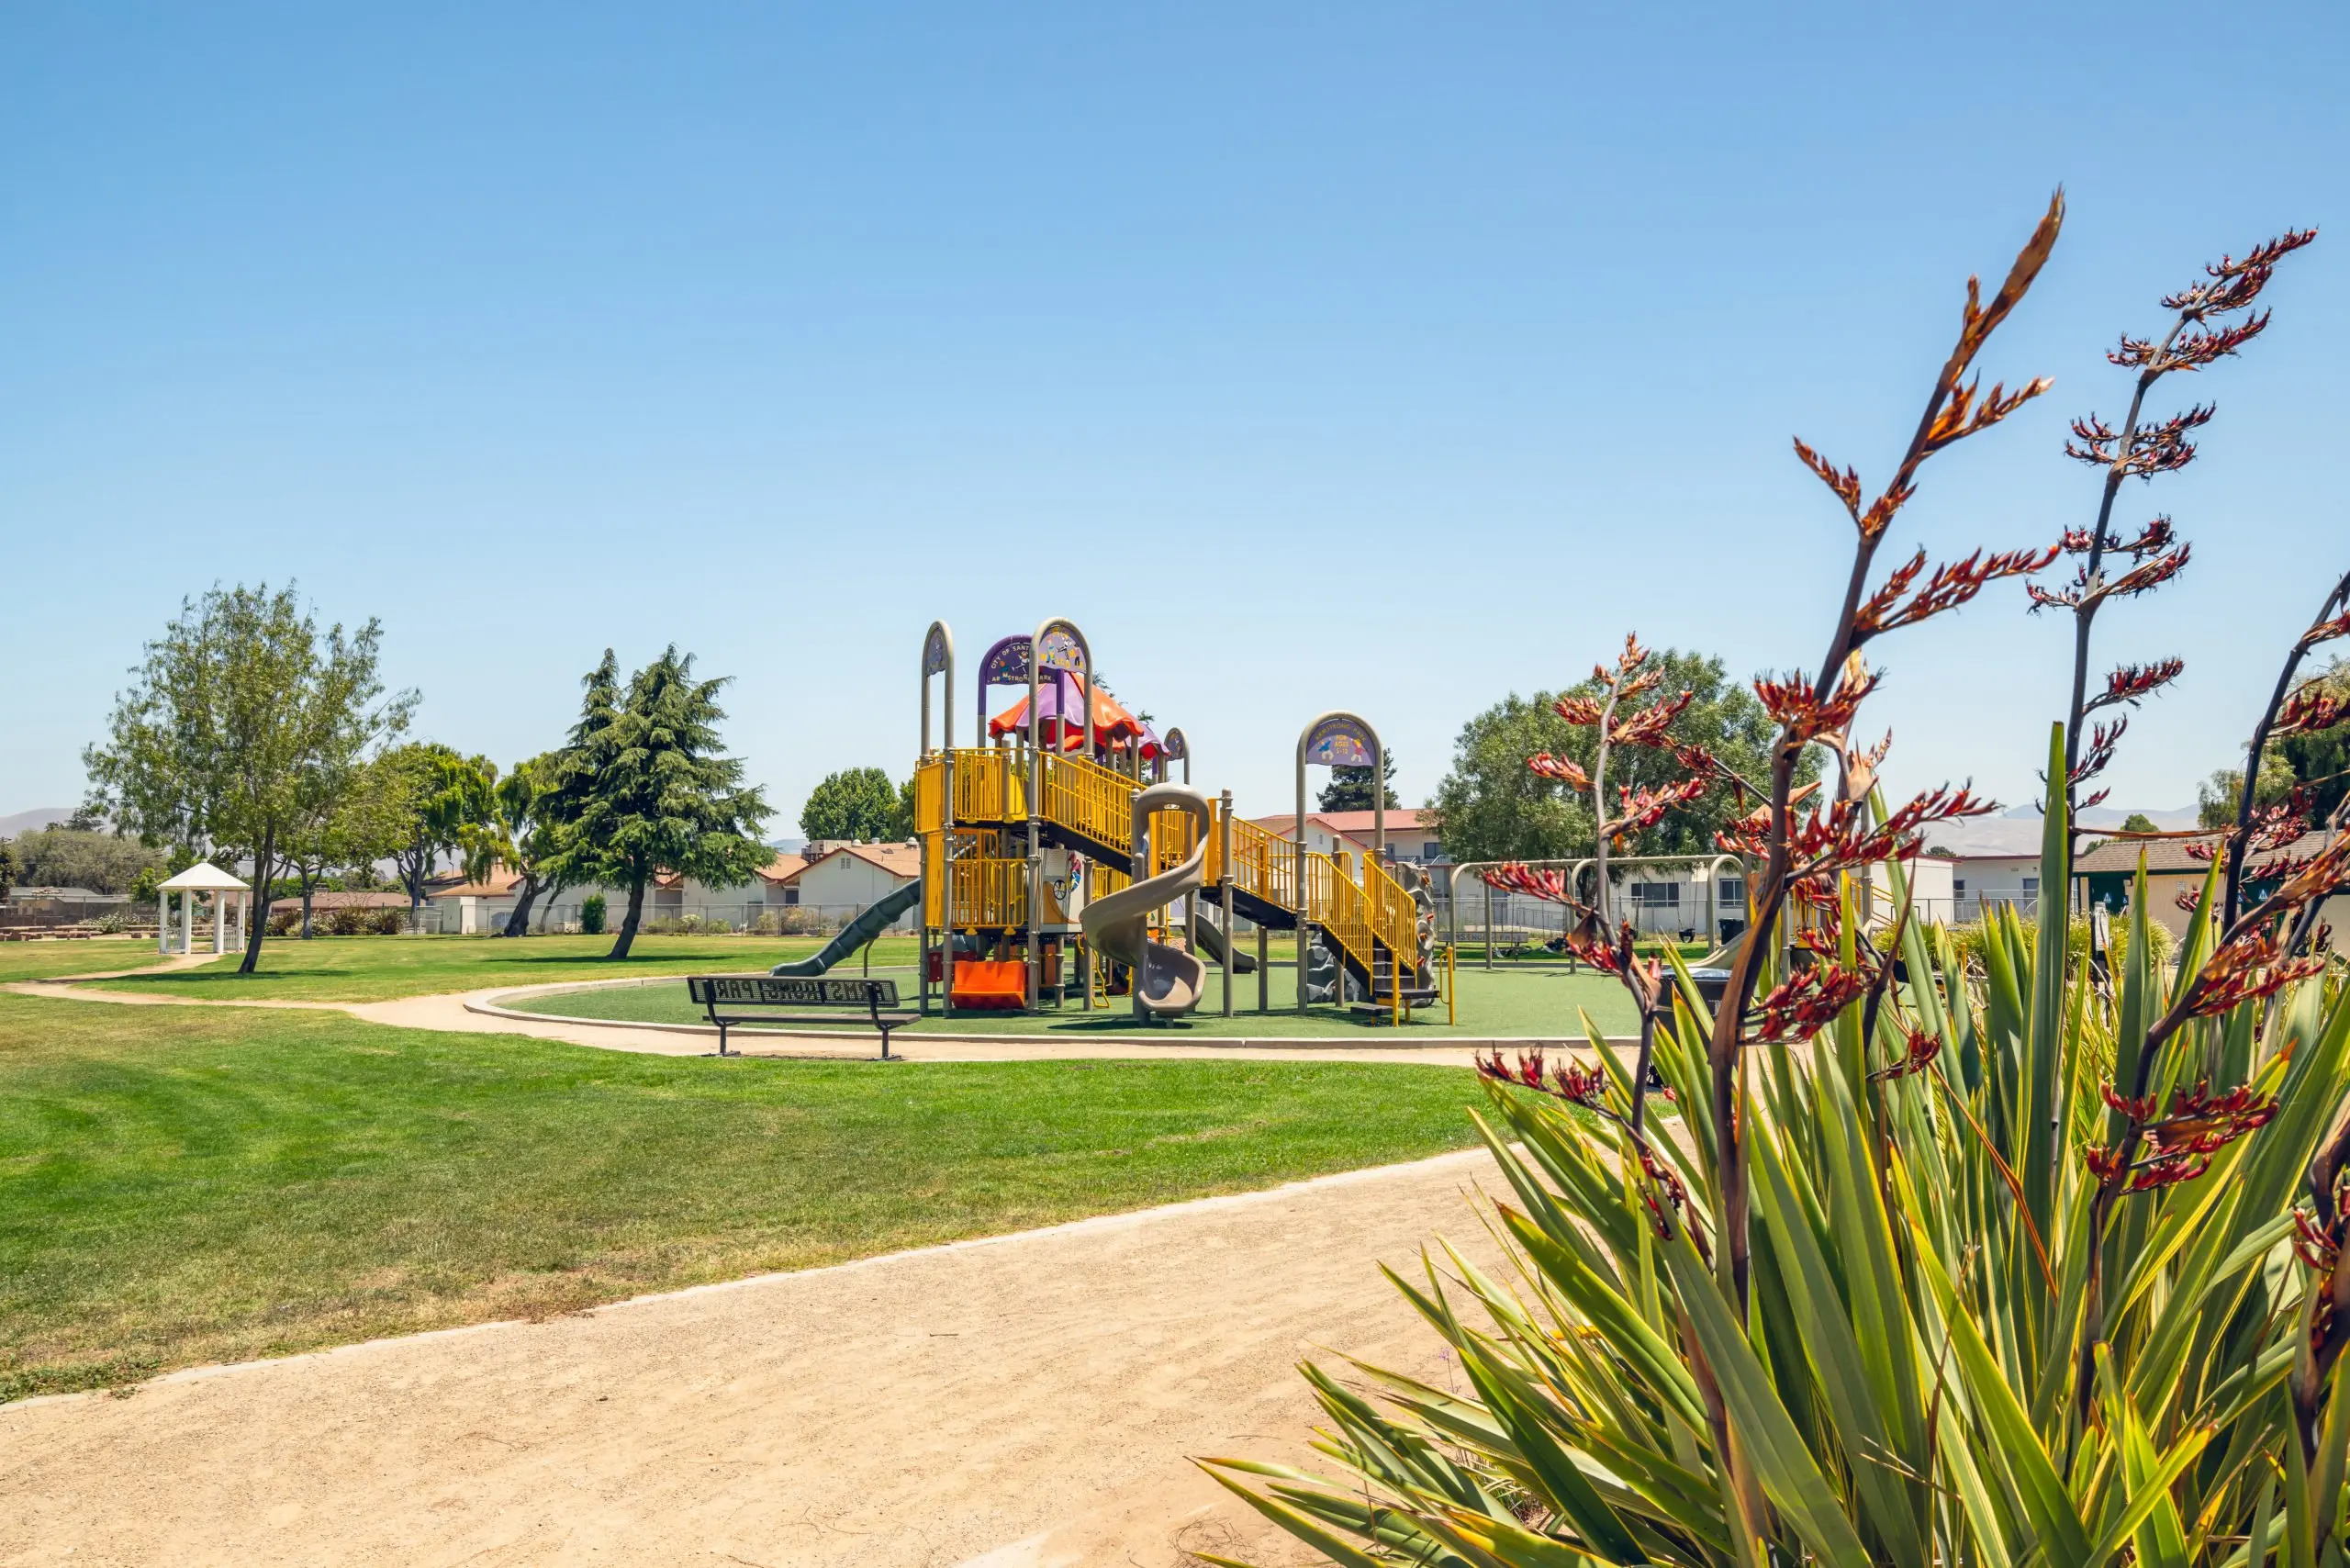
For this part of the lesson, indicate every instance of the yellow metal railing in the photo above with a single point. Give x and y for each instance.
(1089, 798)
(990, 784)
(934, 867)
(1264, 864)
(989, 893)
(1394, 915)
(1339, 907)
(930, 794)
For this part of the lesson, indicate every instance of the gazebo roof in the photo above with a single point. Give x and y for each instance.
(201, 877)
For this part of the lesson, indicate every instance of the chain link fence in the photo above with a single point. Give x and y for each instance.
(562, 918)
(1515, 924)
(33, 916)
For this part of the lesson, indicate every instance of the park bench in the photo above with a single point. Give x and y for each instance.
(733, 1000)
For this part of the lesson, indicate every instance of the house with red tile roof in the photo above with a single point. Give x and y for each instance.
(1409, 837)
(845, 877)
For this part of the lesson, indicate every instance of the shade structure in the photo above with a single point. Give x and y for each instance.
(1113, 725)
(197, 880)
(201, 877)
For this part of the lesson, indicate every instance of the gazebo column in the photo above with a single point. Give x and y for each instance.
(187, 923)
(219, 925)
(163, 924)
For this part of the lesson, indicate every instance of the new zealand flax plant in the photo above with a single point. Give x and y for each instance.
(1939, 1264)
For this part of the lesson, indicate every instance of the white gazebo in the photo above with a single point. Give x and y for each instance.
(201, 877)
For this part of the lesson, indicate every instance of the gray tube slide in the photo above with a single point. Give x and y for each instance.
(1211, 939)
(856, 933)
(1167, 979)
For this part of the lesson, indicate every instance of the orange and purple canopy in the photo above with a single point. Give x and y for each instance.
(1113, 725)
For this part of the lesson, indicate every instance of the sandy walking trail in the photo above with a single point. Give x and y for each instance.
(1023, 1402)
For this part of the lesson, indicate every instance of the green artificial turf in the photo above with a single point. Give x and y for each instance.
(1509, 1003)
(184, 1184)
(374, 969)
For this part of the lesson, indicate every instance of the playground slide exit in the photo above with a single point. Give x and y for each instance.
(856, 933)
(1167, 979)
(1212, 942)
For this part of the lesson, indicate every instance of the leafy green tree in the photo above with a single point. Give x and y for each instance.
(429, 799)
(64, 856)
(2216, 798)
(518, 835)
(1349, 790)
(7, 866)
(2139, 821)
(243, 714)
(857, 802)
(1490, 806)
(644, 790)
(2319, 762)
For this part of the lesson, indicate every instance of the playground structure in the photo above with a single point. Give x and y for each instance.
(1057, 854)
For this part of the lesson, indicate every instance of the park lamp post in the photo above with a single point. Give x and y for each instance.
(1336, 740)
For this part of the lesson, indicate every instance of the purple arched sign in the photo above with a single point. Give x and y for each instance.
(1340, 740)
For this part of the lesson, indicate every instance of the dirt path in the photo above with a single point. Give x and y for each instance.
(1025, 1402)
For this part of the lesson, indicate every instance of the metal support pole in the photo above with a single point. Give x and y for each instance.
(1035, 823)
(1138, 868)
(1223, 880)
(1297, 825)
(1489, 922)
(1264, 972)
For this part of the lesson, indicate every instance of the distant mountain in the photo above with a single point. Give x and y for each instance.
(2109, 816)
(33, 821)
(2016, 830)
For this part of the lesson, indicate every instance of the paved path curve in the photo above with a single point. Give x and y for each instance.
(1025, 1402)
(479, 1012)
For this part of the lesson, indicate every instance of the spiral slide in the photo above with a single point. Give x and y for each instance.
(1168, 980)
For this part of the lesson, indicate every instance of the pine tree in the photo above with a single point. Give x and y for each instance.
(641, 788)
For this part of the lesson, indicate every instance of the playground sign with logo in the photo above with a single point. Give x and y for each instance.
(1341, 741)
(1007, 662)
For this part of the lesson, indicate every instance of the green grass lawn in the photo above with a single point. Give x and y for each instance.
(374, 969)
(180, 1185)
(1541, 1003)
(45, 960)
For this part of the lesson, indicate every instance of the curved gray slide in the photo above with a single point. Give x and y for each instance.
(1167, 979)
(1212, 941)
(856, 933)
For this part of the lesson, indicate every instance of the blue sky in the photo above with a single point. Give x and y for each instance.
(1389, 358)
